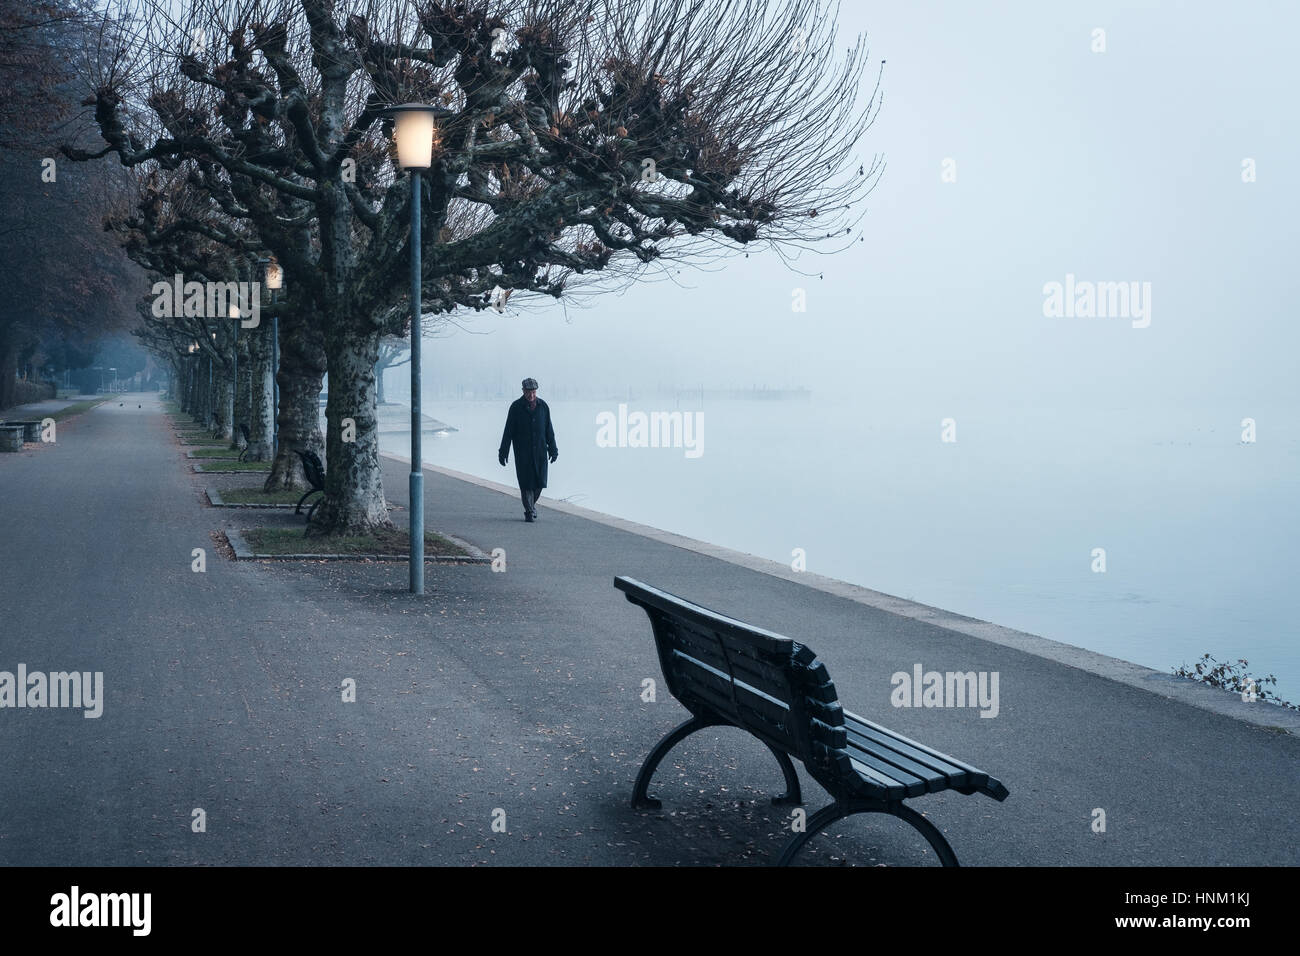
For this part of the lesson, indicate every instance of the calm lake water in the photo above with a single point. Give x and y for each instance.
(1201, 531)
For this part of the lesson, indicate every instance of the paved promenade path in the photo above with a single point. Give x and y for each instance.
(517, 692)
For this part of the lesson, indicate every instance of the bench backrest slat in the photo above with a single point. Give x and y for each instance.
(765, 682)
(312, 469)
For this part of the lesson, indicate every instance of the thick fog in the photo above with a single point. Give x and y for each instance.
(1065, 330)
(1117, 166)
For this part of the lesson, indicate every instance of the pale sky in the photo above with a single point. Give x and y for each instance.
(1124, 165)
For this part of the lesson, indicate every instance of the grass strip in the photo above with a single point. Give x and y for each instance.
(293, 541)
(75, 409)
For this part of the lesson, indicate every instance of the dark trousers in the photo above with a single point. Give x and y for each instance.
(530, 497)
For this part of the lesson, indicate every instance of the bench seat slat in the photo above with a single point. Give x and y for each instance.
(911, 784)
(936, 780)
(956, 775)
(975, 779)
(893, 790)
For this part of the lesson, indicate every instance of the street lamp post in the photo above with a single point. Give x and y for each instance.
(192, 387)
(274, 280)
(251, 384)
(414, 132)
(213, 417)
(234, 376)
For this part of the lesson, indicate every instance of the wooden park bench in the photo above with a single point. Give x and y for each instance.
(731, 674)
(314, 471)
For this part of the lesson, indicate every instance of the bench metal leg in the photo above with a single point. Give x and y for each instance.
(298, 509)
(793, 796)
(838, 811)
(642, 801)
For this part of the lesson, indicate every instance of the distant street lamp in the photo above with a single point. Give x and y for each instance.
(193, 377)
(415, 131)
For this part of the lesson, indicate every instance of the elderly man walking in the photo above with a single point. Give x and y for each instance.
(528, 428)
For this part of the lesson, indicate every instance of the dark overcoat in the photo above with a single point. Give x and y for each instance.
(533, 438)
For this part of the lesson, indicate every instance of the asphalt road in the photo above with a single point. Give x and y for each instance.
(517, 692)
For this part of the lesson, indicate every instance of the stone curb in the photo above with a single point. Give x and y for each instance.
(215, 499)
(199, 469)
(194, 454)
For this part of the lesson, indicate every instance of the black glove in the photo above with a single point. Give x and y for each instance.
(502, 459)
(554, 455)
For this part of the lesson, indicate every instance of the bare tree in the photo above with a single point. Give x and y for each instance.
(59, 292)
(584, 144)
(392, 353)
(172, 228)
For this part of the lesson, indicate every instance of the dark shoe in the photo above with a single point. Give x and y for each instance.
(528, 518)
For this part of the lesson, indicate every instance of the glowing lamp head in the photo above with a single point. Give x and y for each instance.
(415, 131)
(274, 275)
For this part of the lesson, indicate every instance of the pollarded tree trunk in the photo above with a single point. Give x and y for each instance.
(210, 396)
(187, 405)
(243, 375)
(224, 384)
(8, 369)
(195, 408)
(209, 383)
(389, 354)
(354, 488)
(202, 391)
(261, 399)
(302, 367)
(198, 379)
(175, 378)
